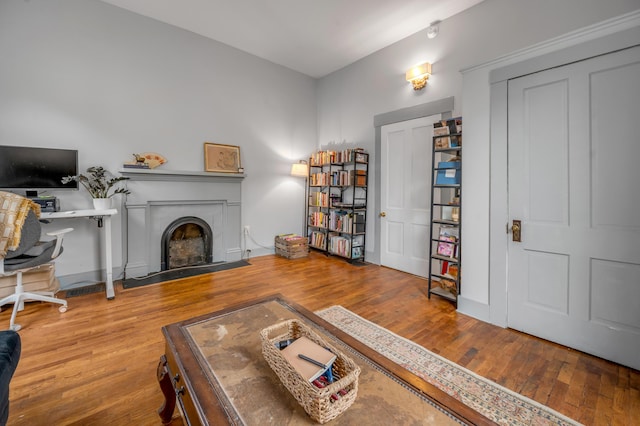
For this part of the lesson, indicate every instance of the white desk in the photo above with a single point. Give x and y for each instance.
(102, 216)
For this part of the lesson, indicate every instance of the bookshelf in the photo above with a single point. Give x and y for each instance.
(337, 217)
(446, 210)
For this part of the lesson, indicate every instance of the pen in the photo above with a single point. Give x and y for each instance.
(312, 361)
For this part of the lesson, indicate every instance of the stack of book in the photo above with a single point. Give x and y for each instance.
(309, 359)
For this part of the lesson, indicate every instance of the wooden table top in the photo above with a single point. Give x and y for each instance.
(220, 355)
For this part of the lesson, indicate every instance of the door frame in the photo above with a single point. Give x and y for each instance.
(444, 107)
(599, 41)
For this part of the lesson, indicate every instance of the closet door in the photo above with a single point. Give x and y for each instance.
(574, 179)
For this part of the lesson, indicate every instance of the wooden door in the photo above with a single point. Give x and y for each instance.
(405, 193)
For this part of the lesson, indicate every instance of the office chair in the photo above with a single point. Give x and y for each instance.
(21, 250)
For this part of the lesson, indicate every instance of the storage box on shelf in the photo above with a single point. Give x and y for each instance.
(448, 173)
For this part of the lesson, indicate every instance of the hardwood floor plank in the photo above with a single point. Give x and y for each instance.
(96, 363)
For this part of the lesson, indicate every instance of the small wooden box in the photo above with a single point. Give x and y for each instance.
(358, 177)
(41, 278)
(292, 246)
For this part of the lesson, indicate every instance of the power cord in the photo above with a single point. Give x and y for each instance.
(248, 251)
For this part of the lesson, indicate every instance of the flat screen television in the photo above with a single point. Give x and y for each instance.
(33, 169)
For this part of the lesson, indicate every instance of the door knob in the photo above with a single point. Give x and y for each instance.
(516, 229)
(383, 214)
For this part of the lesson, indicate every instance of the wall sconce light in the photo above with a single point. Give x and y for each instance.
(300, 169)
(419, 75)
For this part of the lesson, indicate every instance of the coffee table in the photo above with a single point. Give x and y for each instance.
(214, 370)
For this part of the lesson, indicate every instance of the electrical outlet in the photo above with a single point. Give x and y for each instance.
(246, 230)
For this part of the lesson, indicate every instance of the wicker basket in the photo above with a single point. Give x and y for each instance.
(320, 403)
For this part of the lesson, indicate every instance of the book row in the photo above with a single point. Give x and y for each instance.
(342, 246)
(318, 240)
(319, 199)
(319, 219)
(339, 178)
(344, 221)
(338, 221)
(328, 157)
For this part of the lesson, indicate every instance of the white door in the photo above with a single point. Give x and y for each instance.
(574, 182)
(405, 193)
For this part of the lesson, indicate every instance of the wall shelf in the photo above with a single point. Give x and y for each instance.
(179, 175)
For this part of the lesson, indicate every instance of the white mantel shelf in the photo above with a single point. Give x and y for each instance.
(180, 175)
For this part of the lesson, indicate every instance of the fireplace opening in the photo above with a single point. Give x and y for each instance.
(187, 241)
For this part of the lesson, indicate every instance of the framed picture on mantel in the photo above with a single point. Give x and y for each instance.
(222, 158)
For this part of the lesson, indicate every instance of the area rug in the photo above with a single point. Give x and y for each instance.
(495, 402)
(177, 273)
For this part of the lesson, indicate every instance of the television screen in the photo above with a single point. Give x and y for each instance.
(29, 168)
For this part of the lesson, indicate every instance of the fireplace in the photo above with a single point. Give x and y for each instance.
(187, 241)
(194, 216)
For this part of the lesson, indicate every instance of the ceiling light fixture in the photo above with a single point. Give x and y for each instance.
(433, 29)
(419, 75)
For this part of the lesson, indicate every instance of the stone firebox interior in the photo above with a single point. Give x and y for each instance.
(187, 241)
(161, 200)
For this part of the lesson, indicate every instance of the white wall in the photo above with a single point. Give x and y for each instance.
(86, 75)
(349, 99)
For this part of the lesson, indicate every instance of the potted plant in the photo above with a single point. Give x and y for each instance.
(101, 184)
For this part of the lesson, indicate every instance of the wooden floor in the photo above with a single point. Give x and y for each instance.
(96, 363)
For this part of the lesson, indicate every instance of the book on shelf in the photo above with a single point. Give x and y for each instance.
(448, 133)
(318, 199)
(340, 245)
(318, 240)
(351, 205)
(310, 350)
(318, 219)
(448, 236)
(136, 166)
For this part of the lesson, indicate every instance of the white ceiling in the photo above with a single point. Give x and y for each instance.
(315, 37)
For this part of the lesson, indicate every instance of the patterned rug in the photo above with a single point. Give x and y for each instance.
(492, 400)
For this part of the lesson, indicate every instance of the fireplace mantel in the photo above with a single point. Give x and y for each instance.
(160, 196)
(180, 175)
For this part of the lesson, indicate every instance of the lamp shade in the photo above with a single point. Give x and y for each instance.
(419, 75)
(300, 169)
(418, 71)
